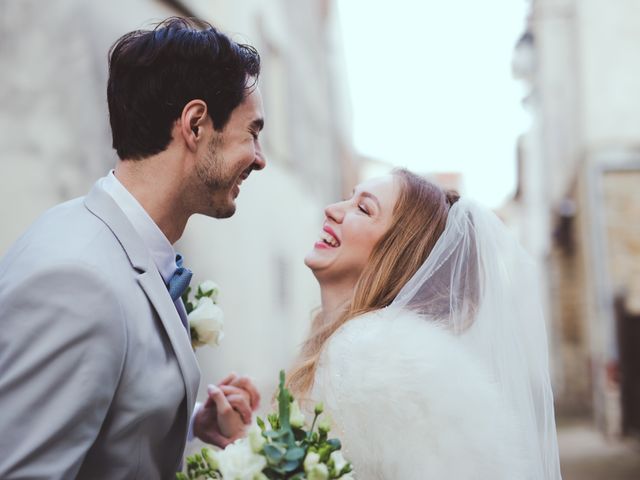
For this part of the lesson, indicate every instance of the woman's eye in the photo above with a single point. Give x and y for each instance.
(363, 209)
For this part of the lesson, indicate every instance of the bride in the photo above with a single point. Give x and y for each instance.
(429, 351)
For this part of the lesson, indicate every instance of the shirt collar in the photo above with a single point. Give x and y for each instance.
(161, 250)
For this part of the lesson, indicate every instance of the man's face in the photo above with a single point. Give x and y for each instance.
(230, 157)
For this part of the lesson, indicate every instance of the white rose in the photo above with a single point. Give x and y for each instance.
(238, 462)
(207, 322)
(256, 440)
(338, 460)
(318, 472)
(310, 461)
(296, 417)
(210, 286)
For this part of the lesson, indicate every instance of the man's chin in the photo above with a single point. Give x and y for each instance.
(226, 212)
(221, 211)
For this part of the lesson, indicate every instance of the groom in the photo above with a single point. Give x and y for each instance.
(97, 376)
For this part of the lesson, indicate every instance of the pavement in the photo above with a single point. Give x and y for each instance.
(585, 454)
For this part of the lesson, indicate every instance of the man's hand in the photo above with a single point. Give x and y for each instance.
(227, 411)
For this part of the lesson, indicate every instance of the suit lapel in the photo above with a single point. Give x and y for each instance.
(156, 291)
(104, 207)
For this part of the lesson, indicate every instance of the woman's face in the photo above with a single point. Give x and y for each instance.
(352, 228)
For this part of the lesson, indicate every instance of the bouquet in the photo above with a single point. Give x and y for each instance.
(282, 451)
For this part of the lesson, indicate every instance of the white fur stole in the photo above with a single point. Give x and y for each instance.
(409, 402)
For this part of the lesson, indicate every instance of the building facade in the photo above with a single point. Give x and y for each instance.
(577, 205)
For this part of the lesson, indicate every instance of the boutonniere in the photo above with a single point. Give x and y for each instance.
(206, 319)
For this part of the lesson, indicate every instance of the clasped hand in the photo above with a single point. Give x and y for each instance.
(227, 412)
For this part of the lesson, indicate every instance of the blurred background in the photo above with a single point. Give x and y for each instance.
(531, 107)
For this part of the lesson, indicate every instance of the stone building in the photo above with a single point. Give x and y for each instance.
(578, 203)
(55, 141)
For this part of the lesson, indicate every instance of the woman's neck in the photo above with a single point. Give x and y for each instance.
(335, 299)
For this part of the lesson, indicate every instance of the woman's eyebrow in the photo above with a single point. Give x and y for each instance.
(372, 197)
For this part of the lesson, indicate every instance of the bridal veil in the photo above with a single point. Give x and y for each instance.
(480, 284)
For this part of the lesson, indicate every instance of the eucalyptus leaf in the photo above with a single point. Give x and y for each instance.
(291, 465)
(295, 453)
(273, 453)
(335, 443)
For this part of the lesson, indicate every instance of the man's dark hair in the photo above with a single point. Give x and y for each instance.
(153, 74)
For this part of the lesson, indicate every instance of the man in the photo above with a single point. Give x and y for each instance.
(97, 376)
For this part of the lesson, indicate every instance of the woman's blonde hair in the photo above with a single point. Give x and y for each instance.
(419, 218)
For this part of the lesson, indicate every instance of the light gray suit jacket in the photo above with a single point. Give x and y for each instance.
(97, 376)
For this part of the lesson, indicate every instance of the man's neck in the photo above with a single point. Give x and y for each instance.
(158, 190)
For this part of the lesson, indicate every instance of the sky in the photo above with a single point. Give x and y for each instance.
(432, 89)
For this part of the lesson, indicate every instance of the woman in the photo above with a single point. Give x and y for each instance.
(429, 351)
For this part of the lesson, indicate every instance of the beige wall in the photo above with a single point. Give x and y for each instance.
(55, 141)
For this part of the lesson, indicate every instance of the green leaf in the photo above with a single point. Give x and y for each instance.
(274, 421)
(261, 424)
(295, 453)
(273, 434)
(284, 403)
(273, 454)
(291, 465)
(194, 334)
(335, 443)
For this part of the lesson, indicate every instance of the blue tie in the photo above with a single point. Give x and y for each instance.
(179, 282)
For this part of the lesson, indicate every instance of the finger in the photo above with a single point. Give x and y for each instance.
(219, 399)
(239, 402)
(247, 385)
(220, 440)
(228, 379)
(233, 390)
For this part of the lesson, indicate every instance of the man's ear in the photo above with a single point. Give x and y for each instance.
(194, 116)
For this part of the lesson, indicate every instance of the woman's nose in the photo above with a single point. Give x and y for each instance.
(334, 212)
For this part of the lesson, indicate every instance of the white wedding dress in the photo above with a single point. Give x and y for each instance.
(451, 381)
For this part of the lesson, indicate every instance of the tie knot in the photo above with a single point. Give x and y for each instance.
(180, 280)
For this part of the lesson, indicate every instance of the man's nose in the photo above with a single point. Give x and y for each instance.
(260, 161)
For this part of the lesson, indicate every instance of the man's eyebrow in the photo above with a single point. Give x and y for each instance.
(257, 124)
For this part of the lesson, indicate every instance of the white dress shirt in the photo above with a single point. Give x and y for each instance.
(161, 250)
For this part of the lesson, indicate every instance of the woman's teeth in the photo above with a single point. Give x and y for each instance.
(328, 239)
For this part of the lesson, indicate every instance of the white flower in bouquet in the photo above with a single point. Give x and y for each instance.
(296, 417)
(239, 462)
(256, 440)
(206, 322)
(318, 472)
(310, 461)
(338, 461)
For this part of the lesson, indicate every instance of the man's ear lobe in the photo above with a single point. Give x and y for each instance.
(194, 116)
